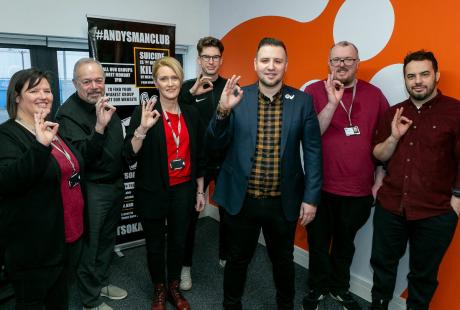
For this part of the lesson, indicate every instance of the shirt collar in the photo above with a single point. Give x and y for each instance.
(89, 107)
(429, 103)
(276, 97)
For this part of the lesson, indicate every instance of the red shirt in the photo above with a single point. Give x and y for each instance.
(425, 165)
(180, 175)
(72, 198)
(348, 165)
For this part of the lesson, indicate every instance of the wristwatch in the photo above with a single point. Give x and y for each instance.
(222, 113)
(456, 192)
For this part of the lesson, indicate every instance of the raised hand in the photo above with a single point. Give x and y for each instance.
(104, 112)
(45, 131)
(232, 93)
(400, 124)
(150, 116)
(203, 84)
(334, 89)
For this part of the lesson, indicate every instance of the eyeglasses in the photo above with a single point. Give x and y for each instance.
(88, 82)
(346, 61)
(208, 58)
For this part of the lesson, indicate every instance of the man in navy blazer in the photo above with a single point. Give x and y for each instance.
(262, 184)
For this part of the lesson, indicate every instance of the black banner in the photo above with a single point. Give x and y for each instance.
(127, 50)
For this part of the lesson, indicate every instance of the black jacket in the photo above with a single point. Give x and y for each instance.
(31, 211)
(152, 160)
(206, 104)
(77, 119)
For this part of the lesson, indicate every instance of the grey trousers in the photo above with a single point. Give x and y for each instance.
(104, 202)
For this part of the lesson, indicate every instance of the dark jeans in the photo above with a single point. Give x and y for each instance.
(428, 241)
(169, 238)
(242, 231)
(46, 287)
(331, 238)
(211, 175)
(104, 202)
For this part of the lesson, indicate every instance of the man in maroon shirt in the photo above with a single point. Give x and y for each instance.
(348, 112)
(419, 139)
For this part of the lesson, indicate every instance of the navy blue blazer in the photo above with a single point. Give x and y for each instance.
(239, 132)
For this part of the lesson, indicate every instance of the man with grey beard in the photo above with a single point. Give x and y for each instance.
(104, 186)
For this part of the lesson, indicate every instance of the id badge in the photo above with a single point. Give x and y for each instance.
(74, 179)
(351, 131)
(177, 164)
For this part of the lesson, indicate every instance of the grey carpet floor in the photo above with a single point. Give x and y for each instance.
(131, 273)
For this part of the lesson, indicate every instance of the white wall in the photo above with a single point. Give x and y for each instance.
(68, 18)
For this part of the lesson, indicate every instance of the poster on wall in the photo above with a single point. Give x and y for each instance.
(127, 50)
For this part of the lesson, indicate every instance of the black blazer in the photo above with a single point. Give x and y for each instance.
(152, 162)
(31, 211)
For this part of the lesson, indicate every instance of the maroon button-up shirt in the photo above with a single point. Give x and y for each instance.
(426, 163)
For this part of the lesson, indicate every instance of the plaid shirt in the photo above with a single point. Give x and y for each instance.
(265, 173)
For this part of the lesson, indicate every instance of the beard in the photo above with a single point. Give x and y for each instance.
(347, 80)
(421, 96)
(268, 83)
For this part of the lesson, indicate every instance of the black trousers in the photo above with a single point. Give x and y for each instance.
(165, 236)
(103, 207)
(46, 287)
(242, 232)
(331, 238)
(428, 241)
(211, 175)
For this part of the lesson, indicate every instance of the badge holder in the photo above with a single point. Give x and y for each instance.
(352, 131)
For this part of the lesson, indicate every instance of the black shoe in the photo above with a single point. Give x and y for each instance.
(346, 300)
(379, 305)
(311, 300)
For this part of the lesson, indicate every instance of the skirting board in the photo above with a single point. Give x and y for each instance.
(358, 285)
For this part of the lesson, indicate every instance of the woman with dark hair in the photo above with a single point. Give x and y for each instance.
(41, 201)
(165, 139)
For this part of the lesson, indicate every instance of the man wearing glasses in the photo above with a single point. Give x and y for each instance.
(348, 112)
(204, 93)
(104, 186)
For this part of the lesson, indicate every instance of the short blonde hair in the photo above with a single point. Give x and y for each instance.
(171, 63)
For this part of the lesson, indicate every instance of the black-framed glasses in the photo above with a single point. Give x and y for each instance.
(346, 61)
(208, 58)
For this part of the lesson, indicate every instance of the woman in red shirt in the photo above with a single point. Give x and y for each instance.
(165, 139)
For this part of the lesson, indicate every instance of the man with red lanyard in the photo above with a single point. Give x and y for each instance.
(348, 111)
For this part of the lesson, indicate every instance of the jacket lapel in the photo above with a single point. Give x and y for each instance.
(288, 99)
(160, 138)
(252, 102)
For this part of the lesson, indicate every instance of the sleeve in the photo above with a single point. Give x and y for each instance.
(128, 152)
(383, 104)
(383, 129)
(86, 140)
(457, 156)
(19, 170)
(219, 132)
(383, 108)
(185, 96)
(312, 90)
(312, 158)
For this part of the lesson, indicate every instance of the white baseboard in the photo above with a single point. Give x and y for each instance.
(211, 211)
(358, 285)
